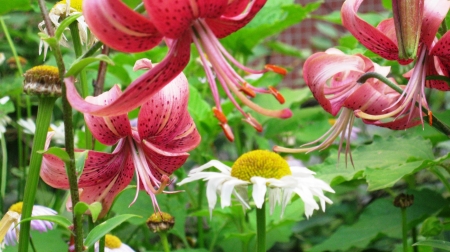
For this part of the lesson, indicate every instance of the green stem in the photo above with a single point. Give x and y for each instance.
(44, 114)
(261, 228)
(201, 234)
(11, 45)
(441, 176)
(404, 230)
(4, 169)
(164, 241)
(436, 123)
(83, 77)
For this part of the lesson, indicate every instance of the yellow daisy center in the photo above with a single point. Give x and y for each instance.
(17, 207)
(260, 163)
(42, 80)
(76, 4)
(112, 241)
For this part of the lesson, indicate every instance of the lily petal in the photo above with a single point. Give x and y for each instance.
(142, 88)
(372, 38)
(164, 120)
(434, 12)
(104, 175)
(132, 31)
(173, 18)
(108, 130)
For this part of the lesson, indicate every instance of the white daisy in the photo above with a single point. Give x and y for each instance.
(267, 172)
(29, 127)
(60, 11)
(11, 237)
(4, 119)
(2, 58)
(113, 244)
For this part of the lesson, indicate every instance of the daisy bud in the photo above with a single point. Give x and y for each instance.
(42, 81)
(404, 200)
(408, 23)
(160, 222)
(11, 61)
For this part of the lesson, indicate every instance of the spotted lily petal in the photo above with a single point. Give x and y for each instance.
(104, 175)
(132, 31)
(142, 88)
(108, 130)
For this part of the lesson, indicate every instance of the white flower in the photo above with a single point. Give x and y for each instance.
(60, 11)
(4, 119)
(29, 127)
(113, 244)
(2, 58)
(11, 237)
(267, 172)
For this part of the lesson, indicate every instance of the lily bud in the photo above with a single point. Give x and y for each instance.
(42, 81)
(408, 24)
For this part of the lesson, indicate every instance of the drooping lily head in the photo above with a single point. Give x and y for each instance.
(180, 23)
(153, 147)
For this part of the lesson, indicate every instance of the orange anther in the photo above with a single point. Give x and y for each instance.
(227, 131)
(276, 69)
(430, 117)
(252, 121)
(247, 90)
(277, 95)
(220, 116)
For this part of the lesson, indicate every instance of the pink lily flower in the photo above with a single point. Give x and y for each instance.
(180, 23)
(432, 57)
(333, 78)
(382, 40)
(154, 146)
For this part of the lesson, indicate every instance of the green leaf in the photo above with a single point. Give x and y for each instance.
(64, 24)
(381, 218)
(80, 160)
(95, 209)
(445, 245)
(383, 162)
(59, 152)
(16, 5)
(286, 49)
(58, 219)
(79, 64)
(106, 227)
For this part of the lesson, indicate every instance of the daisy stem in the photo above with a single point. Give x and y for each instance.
(83, 78)
(436, 123)
(4, 169)
(261, 228)
(404, 230)
(164, 241)
(44, 114)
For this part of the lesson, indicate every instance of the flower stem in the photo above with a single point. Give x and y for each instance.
(201, 235)
(164, 241)
(4, 169)
(83, 78)
(441, 176)
(44, 114)
(404, 230)
(261, 228)
(437, 124)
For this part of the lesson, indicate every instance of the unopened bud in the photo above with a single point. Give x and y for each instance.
(408, 24)
(404, 200)
(160, 222)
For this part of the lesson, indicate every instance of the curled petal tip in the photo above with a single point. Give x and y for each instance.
(276, 69)
(247, 90)
(286, 113)
(144, 63)
(253, 122)
(277, 95)
(220, 116)
(227, 131)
